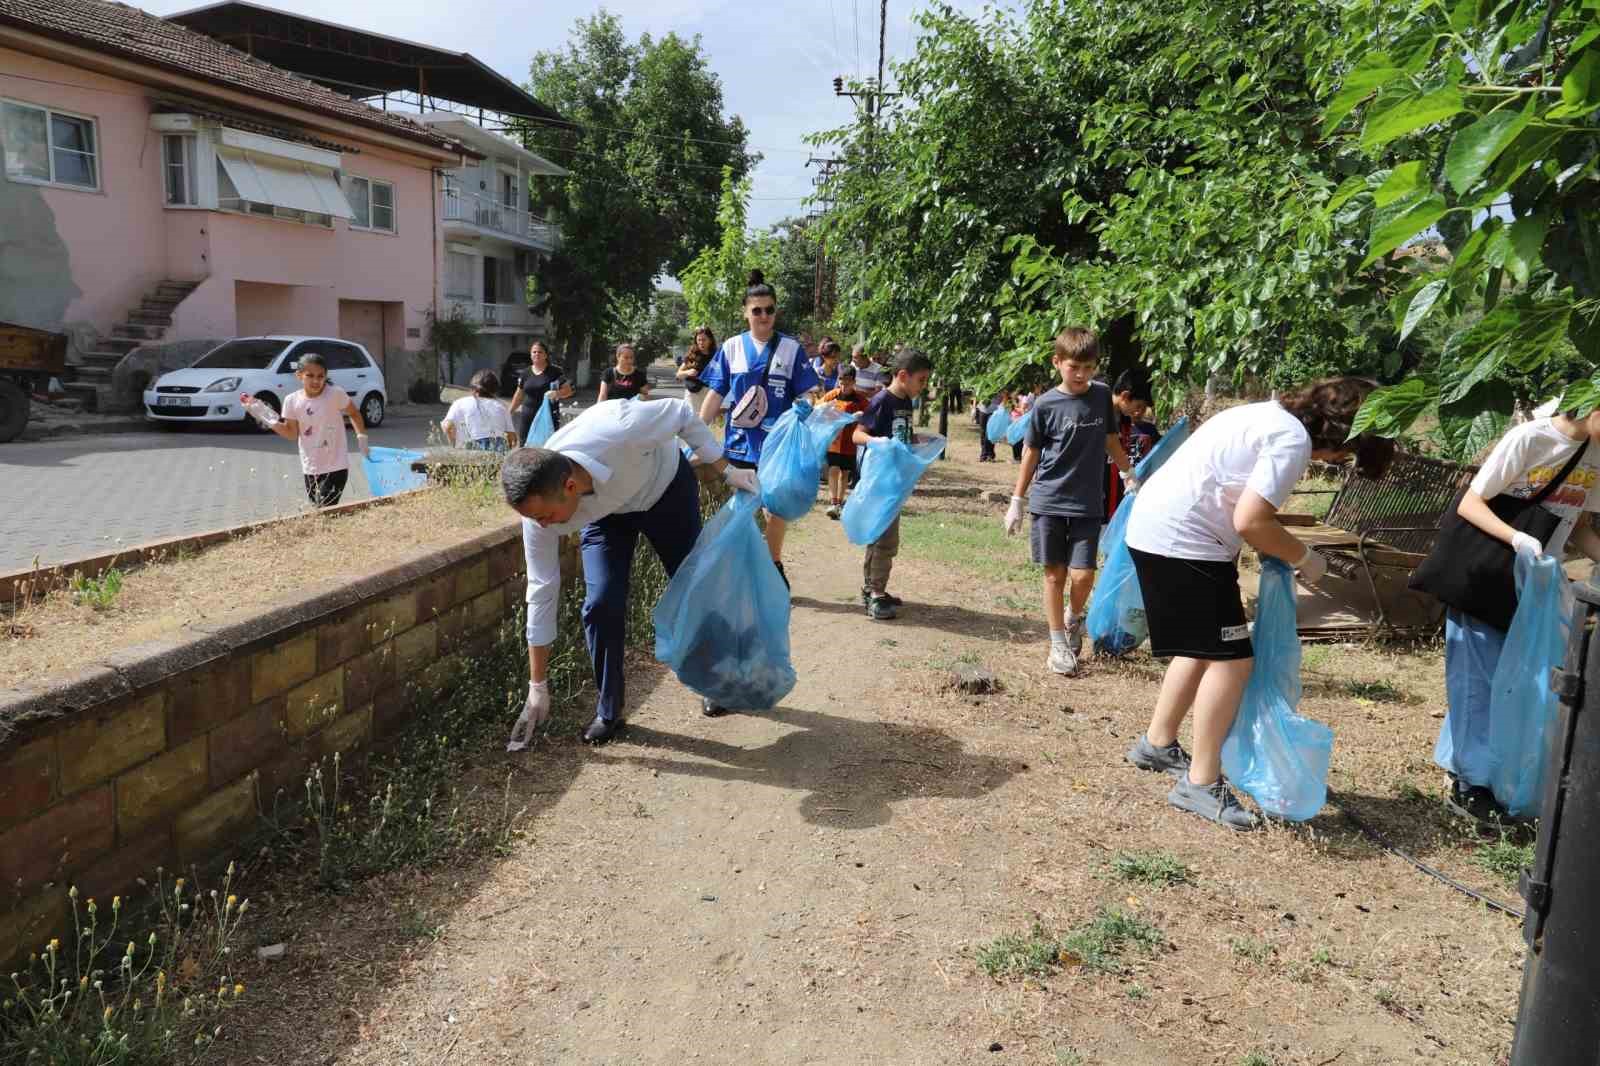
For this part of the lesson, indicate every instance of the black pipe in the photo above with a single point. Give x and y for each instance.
(1559, 1021)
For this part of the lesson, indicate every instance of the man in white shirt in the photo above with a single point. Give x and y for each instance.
(871, 376)
(613, 472)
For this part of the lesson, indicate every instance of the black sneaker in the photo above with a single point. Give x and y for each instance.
(879, 609)
(602, 730)
(893, 601)
(1477, 803)
(711, 710)
(781, 573)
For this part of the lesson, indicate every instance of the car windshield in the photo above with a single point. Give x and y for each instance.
(256, 354)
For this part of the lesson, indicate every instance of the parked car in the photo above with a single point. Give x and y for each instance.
(516, 364)
(208, 391)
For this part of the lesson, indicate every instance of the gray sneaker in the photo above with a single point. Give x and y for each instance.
(1171, 759)
(1075, 635)
(1214, 802)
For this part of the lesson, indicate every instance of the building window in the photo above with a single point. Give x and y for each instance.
(458, 276)
(373, 204)
(287, 191)
(49, 146)
(177, 152)
(508, 190)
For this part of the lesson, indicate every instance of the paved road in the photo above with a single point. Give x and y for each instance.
(70, 497)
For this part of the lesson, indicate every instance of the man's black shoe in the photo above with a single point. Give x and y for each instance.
(711, 710)
(601, 730)
(893, 601)
(1477, 803)
(781, 573)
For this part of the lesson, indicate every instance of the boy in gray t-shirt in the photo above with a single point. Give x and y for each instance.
(1072, 428)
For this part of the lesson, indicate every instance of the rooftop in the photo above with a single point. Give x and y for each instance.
(119, 30)
(361, 62)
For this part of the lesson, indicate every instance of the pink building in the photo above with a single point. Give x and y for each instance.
(164, 190)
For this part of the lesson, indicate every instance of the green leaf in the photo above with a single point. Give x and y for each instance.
(1475, 147)
(1581, 396)
(1471, 425)
(1361, 83)
(1407, 179)
(1389, 411)
(1347, 190)
(1401, 221)
(1580, 89)
(1411, 113)
(1473, 355)
(1421, 304)
(1522, 241)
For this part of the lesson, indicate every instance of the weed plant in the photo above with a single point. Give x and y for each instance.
(100, 592)
(1505, 859)
(1158, 868)
(156, 998)
(1098, 946)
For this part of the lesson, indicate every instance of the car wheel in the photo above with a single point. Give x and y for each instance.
(372, 409)
(272, 402)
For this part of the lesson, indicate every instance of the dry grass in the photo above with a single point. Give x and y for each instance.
(61, 634)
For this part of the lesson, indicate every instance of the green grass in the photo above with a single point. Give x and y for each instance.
(1256, 1058)
(1136, 992)
(1323, 956)
(1504, 858)
(1376, 691)
(1099, 944)
(1158, 868)
(97, 592)
(975, 543)
(1254, 950)
(1067, 1056)
(1032, 955)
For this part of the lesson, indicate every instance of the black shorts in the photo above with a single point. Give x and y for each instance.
(1069, 542)
(1193, 607)
(325, 490)
(847, 463)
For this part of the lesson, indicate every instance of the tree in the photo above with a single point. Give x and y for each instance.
(658, 327)
(1154, 170)
(715, 282)
(1476, 121)
(646, 141)
(452, 334)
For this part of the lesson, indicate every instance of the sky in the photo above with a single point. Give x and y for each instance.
(776, 60)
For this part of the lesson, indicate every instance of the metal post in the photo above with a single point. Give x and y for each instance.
(1559, 1021)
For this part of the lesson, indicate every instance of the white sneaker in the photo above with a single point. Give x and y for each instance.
(1075, 629)
(1062, 660)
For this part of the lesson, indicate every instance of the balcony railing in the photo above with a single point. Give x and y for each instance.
(487, 314)
(488, 213)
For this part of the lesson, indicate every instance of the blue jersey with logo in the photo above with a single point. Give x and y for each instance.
(779, 370)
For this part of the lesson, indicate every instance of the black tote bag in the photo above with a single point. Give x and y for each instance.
(1472, 571)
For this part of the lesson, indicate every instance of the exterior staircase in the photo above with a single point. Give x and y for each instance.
(91, 378)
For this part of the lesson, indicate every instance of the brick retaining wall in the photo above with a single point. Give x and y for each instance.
(160, 754)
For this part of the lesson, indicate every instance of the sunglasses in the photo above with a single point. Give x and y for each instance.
(770, 309)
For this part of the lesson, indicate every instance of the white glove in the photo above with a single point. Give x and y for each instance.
(259, 411)
(1014, 516)
(1526, 544)
(361, 443)
(533, 715)
(1312, 567)
(742, 480)
(1131, 483)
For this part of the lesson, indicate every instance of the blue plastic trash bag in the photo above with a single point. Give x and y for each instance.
(1522, 707)
(998, 423)
(1278, 757)
(889, 471)
(723, 622)
(792, 456)
(544, 423)
(1116, 612)
(389, 471)
(1018, 428)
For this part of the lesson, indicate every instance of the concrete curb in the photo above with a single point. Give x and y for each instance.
(74, 429)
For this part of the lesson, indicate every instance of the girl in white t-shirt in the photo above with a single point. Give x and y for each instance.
(481, 421)
(1223, 489)
(314, 419)
(1526, 459)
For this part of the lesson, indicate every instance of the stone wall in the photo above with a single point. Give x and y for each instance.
(160, 755)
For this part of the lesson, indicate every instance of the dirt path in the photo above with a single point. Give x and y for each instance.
(811, 885)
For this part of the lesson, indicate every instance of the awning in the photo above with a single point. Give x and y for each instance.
(287, 183)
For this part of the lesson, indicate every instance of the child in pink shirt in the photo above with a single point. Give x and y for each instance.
(314, 419)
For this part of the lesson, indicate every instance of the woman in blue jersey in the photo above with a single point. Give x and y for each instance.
(763, 372)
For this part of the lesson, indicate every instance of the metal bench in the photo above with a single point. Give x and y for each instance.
(1388, 523)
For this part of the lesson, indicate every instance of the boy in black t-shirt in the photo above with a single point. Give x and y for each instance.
(888, 417)
(1072, 431)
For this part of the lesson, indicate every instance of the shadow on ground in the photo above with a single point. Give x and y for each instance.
(852, 771)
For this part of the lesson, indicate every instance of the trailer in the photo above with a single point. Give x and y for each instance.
(29, 358)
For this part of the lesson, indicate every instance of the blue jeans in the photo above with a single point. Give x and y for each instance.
(1471, 653)
(671, 526)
